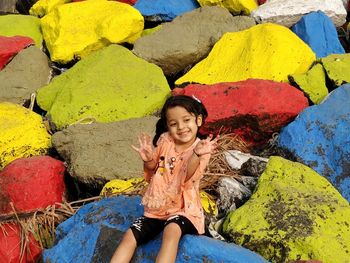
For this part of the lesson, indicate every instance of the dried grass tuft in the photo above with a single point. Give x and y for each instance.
(218, 166)
(41, 223)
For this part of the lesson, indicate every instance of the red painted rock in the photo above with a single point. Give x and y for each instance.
(31, 183)
(10, 238)
(253, 109)
(10, 46)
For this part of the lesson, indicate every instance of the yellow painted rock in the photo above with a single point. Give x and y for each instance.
(208, 204)
(118, 186)
(313, 83)
(265, 51)
(294, 214)
(234, 6)
(22, 133)
(74, 30)
(42, 7)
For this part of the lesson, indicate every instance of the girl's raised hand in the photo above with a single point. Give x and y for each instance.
(145, 149)
(207, 145)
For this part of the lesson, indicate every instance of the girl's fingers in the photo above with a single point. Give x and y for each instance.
(140, 140)
(135, 148)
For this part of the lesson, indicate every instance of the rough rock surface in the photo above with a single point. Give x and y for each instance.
(234, 6)
(111, 84)
(21, 25)
(319, 138)
(188, 38)
(288, 12)
(100, 23)
(313, 83)
(294, 214)
(253, 109)
(10, 250)
(318, 31)
(31, 184)
(22, 133)
(247, 54)
(27, 72)
(99, 152)
(94, 232)
(8, 6)
(337, 67)
(10, 46)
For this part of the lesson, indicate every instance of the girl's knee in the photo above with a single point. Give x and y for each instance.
(172, 230)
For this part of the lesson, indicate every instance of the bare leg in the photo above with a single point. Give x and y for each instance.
(170, 243)
(126, 248)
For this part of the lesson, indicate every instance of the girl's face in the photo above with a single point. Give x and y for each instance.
(182, 125)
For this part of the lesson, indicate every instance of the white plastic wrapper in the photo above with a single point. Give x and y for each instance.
(235, 158)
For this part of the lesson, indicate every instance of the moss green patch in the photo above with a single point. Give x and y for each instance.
(295, 214)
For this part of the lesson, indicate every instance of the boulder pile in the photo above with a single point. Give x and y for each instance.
(80, 79)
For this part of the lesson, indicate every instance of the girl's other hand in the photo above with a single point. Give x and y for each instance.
(145, 149)
(207, 145)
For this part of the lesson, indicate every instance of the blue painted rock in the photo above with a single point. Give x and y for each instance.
(93, 233)
(164, 10)
(318, 31)
(319, 138)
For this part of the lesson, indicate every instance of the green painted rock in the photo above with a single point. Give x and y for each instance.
(337, 67)
(110, 85)
(294, 214)
(313, 83)
(21, 25)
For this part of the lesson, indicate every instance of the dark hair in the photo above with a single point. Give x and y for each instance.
(191, 104)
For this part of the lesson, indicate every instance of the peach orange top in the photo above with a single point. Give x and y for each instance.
(168, 194)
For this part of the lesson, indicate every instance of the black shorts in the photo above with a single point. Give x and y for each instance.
(145, 228)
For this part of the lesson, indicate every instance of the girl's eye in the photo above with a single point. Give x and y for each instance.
(172, 124)
(187, 120)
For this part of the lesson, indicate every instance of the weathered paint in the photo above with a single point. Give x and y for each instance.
(22, 133)
(294, 214)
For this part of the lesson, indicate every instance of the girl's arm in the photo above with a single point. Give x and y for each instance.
(202, 149)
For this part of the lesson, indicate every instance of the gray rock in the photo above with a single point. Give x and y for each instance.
(288, 12)
(188, 38)
(28, 71)
(99, 152)
(8, 6)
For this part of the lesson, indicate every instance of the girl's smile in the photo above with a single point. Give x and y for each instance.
(182, 126)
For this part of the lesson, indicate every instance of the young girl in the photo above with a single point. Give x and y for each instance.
(173, 169)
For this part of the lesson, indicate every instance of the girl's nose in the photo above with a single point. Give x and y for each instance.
(180, 125)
